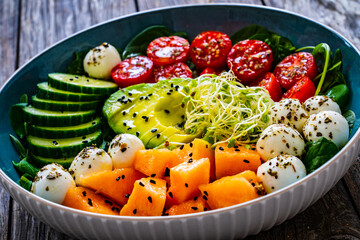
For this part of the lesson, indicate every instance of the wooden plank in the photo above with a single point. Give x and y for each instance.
(148, 4)
(43, 24)
(9, 19)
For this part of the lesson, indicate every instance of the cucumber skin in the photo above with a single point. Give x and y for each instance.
(58, 121)
(41, 161)
(60, 106)
(46, 133)
(70, 96)
(64, 151)
(59, 84)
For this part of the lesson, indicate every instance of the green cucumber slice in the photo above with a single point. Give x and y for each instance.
(41, 161)
(40, 117)
(62, 147)
(65, 132)
(81, 84)
(44, 91)
(63, 105)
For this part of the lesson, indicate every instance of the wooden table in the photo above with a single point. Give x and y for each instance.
(28, 27)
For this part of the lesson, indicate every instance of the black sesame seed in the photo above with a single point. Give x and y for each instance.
(85, 141)
(90, 202)
(134, 212)
(191, 144)
(170, 194)
(237, 150)
(127, 195)
(206, 193)
(84, 193)
(141, 184)
(153, 130)
(182, 147)
(246, 161)
(123, 112)
(194, 208)
(54, 142)
(167, 172)
(134, 114)
(124, 123)
(190, 154)
(190, 160)
(150, 199)
(204, 197)
(122, 176)
(221, 148)
(84, 137)
(130, 94)
(137, 134)
(158, 135)
(205, 209)
(167, 111)
(186, 185)
(152, 181)
(108, 202)
(153, 175)
(118, 178)
(123, 149)
(195, 198)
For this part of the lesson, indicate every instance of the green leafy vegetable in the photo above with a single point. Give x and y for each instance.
(350, 118)
(76, 67)
(322, 54)
(339, 93)
(25, 167)
(318, 153)
(138, 45)
(26, 181)
(281, 46)
(17, 119)
(18, 146)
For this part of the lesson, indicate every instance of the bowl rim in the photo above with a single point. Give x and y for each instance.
(7, 180)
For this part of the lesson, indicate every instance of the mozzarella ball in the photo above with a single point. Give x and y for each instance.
(288, 111)
(89, 160)
(279, 139)
(99, 61)
(320, 103)
(52, 183)
(280, 172)
(122, 150)
(327, 124)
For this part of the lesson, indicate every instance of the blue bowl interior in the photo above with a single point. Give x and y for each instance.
(191, 19)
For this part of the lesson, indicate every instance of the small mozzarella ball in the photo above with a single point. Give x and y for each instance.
(320, 103)
(280, 172)
(122, 150)
(327, 124)
(99, 61)
(279, 139)
(288, 111)
(52, 182)
(89, 160)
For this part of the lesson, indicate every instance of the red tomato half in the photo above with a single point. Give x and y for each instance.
(209, 70)
(209, 49)
(294, 67)
(132, 71)
(270, 83)
(249, 59)
(177, 70)
(302, 90)
(165, 51)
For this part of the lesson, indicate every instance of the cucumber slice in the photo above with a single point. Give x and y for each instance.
(81, 84)
(47, 118)
(63, 105)
(62, 147)
(65, 132)
(41, 161)
(44, 91)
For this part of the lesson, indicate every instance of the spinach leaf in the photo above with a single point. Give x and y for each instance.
(350, 118)
(281, 46)
(319, 152)
(76, 67)
(339, 93)
(138, 45)
(17, 119)
(26, 181)
(25, 167)
(321, 55)
(18, 146)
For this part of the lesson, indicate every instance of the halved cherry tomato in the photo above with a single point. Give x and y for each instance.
(177, 70)
(210, 49)
(165, 51)
(269, 82)
(210, 70)
(132, 71)
(302, 90)
(249, 59)
(292, 68)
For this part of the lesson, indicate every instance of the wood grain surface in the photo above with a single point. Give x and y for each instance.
(28, 27)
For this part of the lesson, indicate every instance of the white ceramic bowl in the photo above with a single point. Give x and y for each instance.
(237, 221)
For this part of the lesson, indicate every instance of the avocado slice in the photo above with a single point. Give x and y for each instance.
(153, 112)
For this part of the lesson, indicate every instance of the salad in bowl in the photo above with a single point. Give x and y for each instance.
(169, 125)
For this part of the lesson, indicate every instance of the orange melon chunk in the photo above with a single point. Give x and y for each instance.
(185, 179)
(234, 160)
(197, 149)
(230, 190)
(116, 185)
(153, 162)
(198, 204)
(87, 200)
(147, 198)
